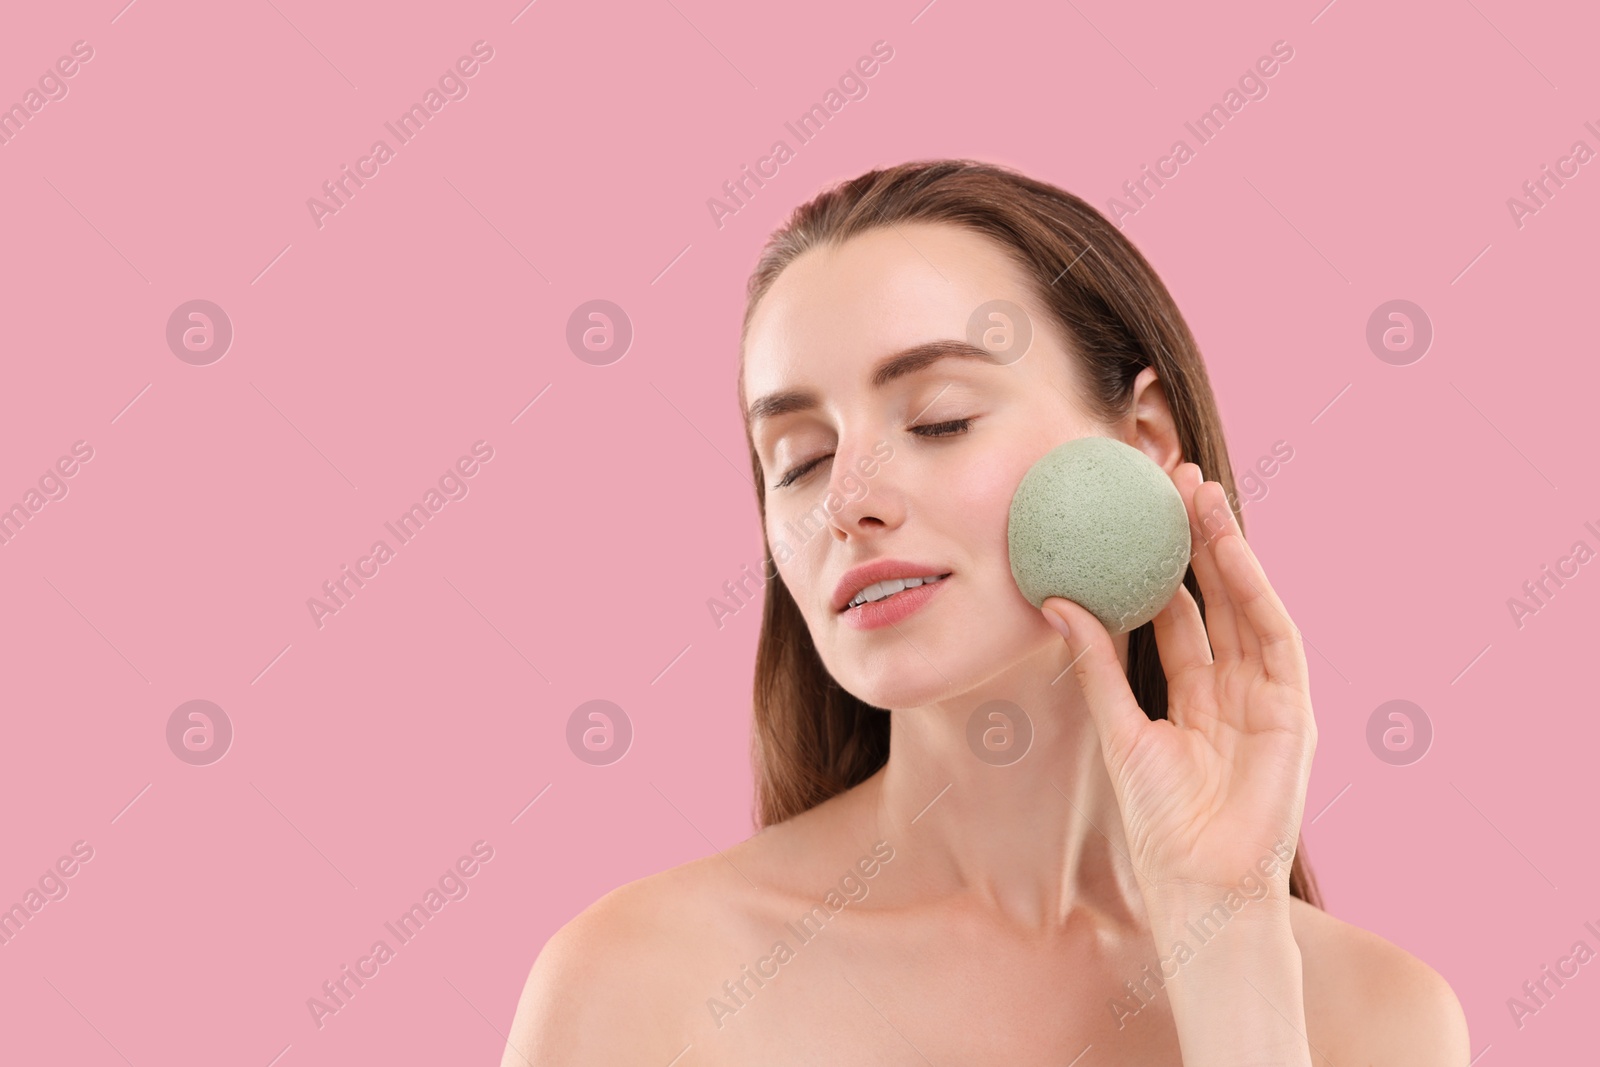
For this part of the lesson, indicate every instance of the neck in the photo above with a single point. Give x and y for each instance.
(1038, 838)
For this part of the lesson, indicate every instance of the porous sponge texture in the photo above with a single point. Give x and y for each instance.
(1098, 522)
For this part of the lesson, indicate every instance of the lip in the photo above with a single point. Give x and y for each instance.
(879, 570)
(892, 608)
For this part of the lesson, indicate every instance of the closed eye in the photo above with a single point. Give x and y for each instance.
(951, 428)
(944, 429)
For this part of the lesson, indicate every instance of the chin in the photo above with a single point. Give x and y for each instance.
(900, 676)
(907, 693)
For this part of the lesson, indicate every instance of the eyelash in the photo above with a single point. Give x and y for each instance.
(961, 427)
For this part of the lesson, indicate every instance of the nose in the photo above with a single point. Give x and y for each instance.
(862, 497)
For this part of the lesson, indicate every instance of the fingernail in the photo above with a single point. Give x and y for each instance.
(1057, 621)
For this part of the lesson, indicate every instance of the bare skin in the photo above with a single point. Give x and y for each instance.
(629, 980)
(983, 913)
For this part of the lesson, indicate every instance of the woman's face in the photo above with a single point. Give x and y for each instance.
(918, 466)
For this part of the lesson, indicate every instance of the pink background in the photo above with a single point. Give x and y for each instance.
(370, 353)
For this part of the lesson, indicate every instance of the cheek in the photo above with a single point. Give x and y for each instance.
(979, 495)
(798, 544)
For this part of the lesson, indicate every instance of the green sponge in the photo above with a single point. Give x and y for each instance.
(1098, 522)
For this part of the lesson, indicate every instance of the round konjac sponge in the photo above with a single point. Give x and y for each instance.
(1098, 522)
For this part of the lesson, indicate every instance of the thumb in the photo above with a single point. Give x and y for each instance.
(1117, 715)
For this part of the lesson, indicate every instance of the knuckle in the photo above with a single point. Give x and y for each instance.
(1283, 634)
(1082, 668)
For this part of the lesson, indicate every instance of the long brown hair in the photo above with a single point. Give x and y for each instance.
(812, 739)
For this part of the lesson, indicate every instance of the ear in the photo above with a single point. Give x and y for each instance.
(1149, 425)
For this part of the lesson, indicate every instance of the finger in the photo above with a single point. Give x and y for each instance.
(1117, 716)
(1185, 653)
(1223, 523)
(1181, 638)
(1277, 640)
(1219, 615)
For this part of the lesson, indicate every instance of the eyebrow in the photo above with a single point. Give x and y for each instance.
(888, 369)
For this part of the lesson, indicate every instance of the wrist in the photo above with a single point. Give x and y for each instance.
(1235, 981)
(1206, 938)
(1257, 889)
(1232, 970)
(1264, 904)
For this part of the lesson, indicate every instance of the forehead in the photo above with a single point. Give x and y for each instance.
(834, 308)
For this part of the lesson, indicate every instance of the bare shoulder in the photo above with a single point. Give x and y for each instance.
(627, 978)
(607, 986)
(1368, 1001)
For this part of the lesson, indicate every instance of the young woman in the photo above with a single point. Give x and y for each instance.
(990, 834)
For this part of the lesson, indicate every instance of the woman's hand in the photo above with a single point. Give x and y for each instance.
(1207, 793)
